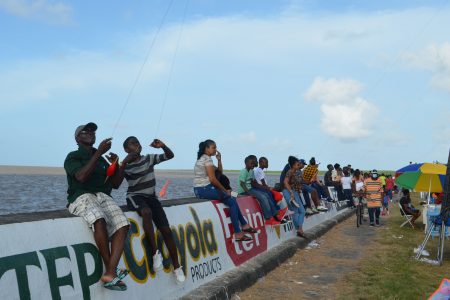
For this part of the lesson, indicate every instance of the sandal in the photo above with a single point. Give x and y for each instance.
(250, 230)
(121, 273)
(115, 285)
(244, 238)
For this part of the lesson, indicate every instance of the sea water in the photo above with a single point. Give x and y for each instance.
(32, 193)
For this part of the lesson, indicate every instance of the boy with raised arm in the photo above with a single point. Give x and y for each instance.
(138, 170)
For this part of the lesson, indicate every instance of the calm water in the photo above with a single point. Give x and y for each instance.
(31, 193)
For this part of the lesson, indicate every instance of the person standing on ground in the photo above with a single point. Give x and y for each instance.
(206, 186)
(389, 186)
(89, 196)
(374, 192)
(291, 192)
(346, 182)
(138, 170)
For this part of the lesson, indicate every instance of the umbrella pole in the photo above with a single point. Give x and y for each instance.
(429, 191)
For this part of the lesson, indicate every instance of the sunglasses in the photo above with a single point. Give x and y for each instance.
(87, 132)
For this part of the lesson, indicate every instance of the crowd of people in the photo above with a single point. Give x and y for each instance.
(91, 178)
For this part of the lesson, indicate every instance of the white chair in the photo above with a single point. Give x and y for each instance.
(407, 217)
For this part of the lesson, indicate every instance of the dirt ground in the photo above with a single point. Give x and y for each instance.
(318, 272)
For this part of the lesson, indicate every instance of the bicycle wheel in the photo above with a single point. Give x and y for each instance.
(358, 208)
(361, 213)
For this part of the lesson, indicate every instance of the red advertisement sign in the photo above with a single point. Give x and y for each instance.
(240, 252)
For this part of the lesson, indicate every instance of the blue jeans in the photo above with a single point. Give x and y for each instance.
(210, 192)
(349, 197)
(374, 211)
(320, 190)
(299, 212)
(266, 202)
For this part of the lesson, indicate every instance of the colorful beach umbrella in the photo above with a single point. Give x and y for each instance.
(408, 168)
(425, 177)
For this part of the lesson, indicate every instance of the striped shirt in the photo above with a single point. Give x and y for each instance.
(140, 174)
(373, 190)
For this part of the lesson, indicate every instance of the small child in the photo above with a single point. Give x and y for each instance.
(139, 172)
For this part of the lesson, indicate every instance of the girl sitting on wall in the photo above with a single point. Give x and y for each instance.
(292, 188)
(206, 186)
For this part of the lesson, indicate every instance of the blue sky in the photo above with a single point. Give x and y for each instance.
(359, 82)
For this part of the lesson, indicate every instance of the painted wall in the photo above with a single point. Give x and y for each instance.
(58, 259)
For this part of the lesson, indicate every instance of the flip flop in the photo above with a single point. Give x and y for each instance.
(115, 285)
(250, 230)
(244, 238)
(121, 273)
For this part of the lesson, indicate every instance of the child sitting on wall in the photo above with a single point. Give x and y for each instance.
(138, 170)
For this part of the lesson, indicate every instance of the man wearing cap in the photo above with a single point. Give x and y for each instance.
(89, 196)
(374, 192)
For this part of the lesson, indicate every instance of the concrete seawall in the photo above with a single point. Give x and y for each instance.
(52, 255)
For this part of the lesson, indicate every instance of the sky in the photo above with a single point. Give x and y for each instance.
(365, 83)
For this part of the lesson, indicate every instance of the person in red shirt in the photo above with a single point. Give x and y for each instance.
(389, 188)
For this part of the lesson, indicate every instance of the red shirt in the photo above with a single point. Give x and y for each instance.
(389, 184)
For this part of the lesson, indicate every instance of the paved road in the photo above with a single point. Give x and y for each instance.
(317, 273)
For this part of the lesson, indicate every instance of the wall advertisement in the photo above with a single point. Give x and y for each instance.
(58, 259)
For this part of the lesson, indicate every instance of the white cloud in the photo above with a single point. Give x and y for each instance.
(436, 59)
(332, 91)
(345, 115)
(55, 12)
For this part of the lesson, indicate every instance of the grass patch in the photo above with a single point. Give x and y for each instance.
(390, 270)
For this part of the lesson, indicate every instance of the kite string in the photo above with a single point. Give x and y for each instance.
(127, 99)
(413, 41)
(171, 68)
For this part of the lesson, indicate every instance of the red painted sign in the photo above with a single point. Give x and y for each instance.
(240, 252)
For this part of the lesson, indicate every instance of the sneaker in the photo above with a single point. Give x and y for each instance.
(322, 208)
(377, 223)
(293, 202)
(282, 213)
(179, 275)
(372, 224)
(314, 210)
(309, 211)
(157, 261)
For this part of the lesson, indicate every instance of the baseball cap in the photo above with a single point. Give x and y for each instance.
(89, 126)
(302, 161)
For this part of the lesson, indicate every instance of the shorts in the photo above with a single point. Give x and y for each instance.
(138, 202)
(92, 207)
